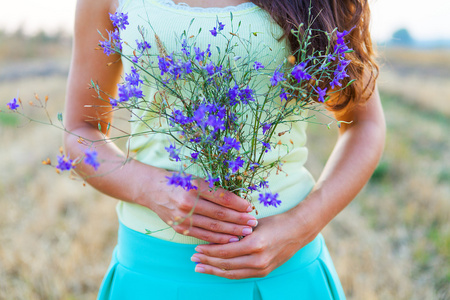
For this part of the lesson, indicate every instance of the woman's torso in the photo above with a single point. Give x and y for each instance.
(169, 20)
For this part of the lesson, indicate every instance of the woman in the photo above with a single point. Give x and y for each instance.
(282, 255)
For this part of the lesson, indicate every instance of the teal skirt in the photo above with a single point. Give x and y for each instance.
(144, 267)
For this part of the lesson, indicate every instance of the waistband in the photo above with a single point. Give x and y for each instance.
(145, 254)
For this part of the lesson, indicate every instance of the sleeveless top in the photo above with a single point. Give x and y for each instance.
(168, 21)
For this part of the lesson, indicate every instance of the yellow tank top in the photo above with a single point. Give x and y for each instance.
(169, 20)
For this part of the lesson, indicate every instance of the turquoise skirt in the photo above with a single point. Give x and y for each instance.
(144, 267)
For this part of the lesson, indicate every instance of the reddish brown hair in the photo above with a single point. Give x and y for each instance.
(328, 15)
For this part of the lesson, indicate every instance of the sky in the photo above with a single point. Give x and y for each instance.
(425, 20)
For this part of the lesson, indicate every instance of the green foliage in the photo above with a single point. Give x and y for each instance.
(381, 172)
(8, 119)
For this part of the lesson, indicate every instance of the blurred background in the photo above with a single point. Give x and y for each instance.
(392, 242)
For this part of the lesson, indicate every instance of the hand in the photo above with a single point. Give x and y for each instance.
(274, 241)
(213, 216)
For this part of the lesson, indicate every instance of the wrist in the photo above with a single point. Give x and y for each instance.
(148, 185)
(311, 215)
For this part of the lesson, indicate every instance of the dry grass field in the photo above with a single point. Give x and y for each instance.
(392, 242)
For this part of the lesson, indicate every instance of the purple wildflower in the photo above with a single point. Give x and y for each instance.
(113, 102)
(199, 54)
(119, 20)
(184, 48)
(341, 35)
(266, 146)
(209, 68)
(266, 127)
(233, 94)
(65, 163)
(299, 72)
(141, 46)
(340, 73)
(211, 180)
(199, 114)
(331, 57)
(269, 199)
(257, 66)
(234, 165)
(176, 69)
(187, 67)
(135, 59)
(208, 51)
(13, 105)
(341, 48)
(277, 77)
(219, 70)
(263, 184)
(91, 159)
(194, 155)
(283, 95)
(214, 31)
(215, 122)
(173, 152)
(128, 91)
(113, 43)
(246, 95)
(221, 112)
(107, 47)
(179, 118)
(182, 180)
(133, 78)
(229, 143)
(321, 93)
(163, 64)
(115, 40)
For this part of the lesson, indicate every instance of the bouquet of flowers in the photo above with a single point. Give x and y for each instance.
(219, 116)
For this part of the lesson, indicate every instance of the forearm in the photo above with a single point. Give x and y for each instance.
(118, 176)
(351, 164)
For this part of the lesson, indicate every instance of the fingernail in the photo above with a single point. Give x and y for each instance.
(234, 240)
(247, 231)
(195, 259)
(199, 269)
(249, 209)
(198, 250)
(252, 223)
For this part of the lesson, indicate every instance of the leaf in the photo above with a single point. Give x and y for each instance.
(60, 117)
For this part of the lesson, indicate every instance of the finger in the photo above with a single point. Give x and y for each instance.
(224, 198)
(246, 246)
(231, 274)
(255, 261)
(218, 212)
(220, 226)
(205, 235)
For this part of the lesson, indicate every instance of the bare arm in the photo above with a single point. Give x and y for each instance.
(278, 238)
(218, 217)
